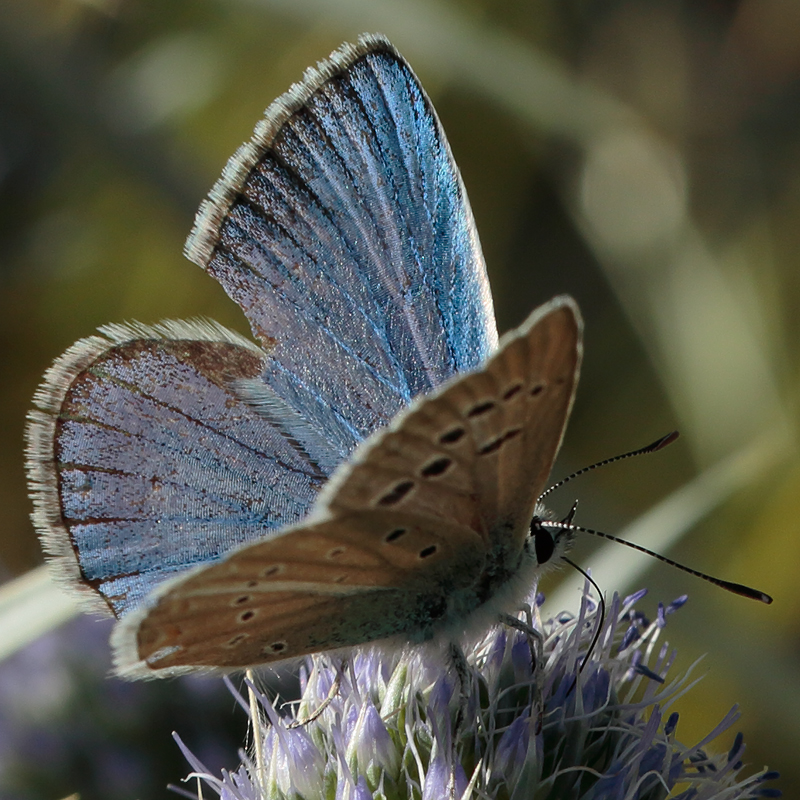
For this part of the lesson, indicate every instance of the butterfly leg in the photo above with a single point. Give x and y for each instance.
(535, 641)
(332, 692)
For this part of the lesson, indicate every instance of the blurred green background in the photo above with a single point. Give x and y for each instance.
(643, 156)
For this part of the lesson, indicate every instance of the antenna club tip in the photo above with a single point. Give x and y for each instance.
(666, 440)
(746, 591)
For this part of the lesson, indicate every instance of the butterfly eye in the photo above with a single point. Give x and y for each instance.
(544, 544)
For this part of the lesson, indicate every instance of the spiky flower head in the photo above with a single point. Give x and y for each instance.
(527, 716)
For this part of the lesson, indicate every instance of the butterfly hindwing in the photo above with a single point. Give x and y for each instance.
(143, 461)
(343, 231)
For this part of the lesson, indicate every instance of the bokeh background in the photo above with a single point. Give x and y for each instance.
(643, 156)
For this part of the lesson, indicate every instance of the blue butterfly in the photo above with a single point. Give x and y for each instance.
(371, 469)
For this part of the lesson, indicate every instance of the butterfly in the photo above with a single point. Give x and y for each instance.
(370, 470)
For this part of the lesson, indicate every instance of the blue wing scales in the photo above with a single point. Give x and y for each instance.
(343, 231)
(144, 460)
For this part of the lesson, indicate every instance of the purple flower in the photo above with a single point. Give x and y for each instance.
(538, 718)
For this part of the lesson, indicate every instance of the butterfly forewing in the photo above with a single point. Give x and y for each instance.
(344, 232)
(536, 373)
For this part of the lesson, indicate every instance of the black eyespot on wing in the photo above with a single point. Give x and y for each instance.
(509, 393)
(252, 584)
(496, 444)
(335, 552)
(537, 389)
(275, 647)
(428, 551)
(236, 640)
(242, 599)
(397, 494)
(394, 535)
(437, 467)
(271, 570)
(481, 408)
(491, 447)
(451, 437)
(246, 616)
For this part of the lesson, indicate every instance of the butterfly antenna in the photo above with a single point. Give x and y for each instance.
(735, 588)
(650, 448)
